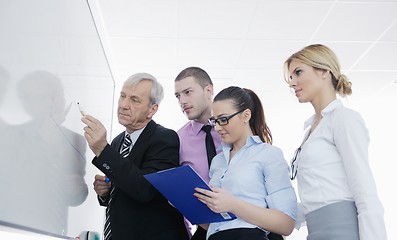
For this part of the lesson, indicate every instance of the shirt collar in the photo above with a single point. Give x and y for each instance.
(325, 112)
(135, 134)
(251, 140)
(196, 126)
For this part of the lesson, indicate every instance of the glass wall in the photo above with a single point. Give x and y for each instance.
(50, 58)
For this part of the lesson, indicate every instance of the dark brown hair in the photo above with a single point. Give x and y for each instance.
(242, 99)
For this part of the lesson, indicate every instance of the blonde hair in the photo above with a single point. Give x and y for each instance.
(322, 57)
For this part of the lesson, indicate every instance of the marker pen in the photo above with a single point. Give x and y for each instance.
(81, 109)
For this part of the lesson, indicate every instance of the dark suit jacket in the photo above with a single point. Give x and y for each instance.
(138, 210)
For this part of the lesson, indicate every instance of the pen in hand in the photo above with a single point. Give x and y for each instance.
(81, 109)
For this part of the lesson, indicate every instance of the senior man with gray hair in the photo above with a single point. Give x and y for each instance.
(134, 208)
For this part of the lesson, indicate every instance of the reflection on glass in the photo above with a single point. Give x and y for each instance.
(51, 56)
(4, 81)
(45, 161)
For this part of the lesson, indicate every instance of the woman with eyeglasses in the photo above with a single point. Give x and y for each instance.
(335, 184)
(250, 177)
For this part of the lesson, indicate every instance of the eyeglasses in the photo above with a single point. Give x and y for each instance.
(294, 163)
(222, 121)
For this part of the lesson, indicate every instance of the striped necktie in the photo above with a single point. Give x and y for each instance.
(125, 151)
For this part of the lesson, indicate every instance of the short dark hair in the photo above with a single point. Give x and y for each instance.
(198, 74)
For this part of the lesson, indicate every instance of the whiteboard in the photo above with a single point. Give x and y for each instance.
(51, 57)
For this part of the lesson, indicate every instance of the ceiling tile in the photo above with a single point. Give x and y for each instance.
(141, 52)
(391, 34)
(220, 53)
(350, 21)
(382, 56)
(266, 54)
(214, 19)
(287, 20)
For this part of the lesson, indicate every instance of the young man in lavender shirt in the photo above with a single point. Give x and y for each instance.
(195, 91)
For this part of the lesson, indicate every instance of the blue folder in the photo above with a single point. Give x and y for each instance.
(177, 185)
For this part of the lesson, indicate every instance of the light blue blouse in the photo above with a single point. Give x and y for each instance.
(258, 174)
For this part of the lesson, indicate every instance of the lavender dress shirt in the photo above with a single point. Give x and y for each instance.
(192, 147)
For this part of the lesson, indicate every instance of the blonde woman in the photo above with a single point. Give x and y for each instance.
(335, 184)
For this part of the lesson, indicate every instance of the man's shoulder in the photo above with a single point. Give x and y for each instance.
(186, 127)
(160, 129)
(186, 131)
(120, 135)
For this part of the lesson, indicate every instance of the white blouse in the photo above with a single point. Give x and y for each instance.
(333, 166)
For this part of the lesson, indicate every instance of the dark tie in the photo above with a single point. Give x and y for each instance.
(125, 151)
(209, 143)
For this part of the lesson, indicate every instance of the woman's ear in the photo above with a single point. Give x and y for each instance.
(246, 115)
(325, 73)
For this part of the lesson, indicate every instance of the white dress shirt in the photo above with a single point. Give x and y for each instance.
(333, 166)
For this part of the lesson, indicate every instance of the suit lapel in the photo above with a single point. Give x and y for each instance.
(140, 146)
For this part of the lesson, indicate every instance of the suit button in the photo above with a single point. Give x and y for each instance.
(105, 166)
